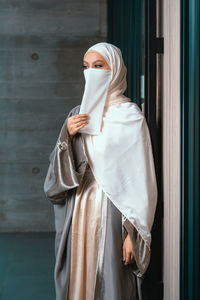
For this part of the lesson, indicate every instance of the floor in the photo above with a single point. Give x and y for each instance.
(26, 266)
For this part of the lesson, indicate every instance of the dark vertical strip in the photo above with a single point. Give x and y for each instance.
(190, 95)
(153, 45)
(124, 31)
(150, 68)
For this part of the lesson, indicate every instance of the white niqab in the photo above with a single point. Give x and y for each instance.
(94, 97)
(120, 155)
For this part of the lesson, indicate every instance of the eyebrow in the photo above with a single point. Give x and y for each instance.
(94, 61)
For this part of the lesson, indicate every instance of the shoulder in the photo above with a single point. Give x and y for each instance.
(133, 106)
(135, 112)
(126, 112)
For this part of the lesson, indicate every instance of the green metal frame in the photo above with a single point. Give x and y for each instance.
(190, 197)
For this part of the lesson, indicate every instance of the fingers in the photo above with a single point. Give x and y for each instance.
(77, 129)
(128, 256)
(132, 257)
(78, 120)
(80, 117)
(124, 254)
(127, 259)
(80, 123)
(75, 123)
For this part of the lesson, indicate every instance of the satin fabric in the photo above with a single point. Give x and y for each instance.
(86, 224)
(131, 182)
(68, 164)
(120, 156)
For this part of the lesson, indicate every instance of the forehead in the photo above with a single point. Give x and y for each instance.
(93, 55)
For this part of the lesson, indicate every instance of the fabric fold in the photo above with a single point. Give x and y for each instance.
(121, 159)
(142, 253)
(67, 166)
(121, 156)
(72, 156)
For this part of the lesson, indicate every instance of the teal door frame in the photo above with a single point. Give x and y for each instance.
(190, 197)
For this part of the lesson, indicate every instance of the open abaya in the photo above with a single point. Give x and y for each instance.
(91, 226)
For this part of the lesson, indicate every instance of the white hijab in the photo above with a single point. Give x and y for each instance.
(120, 155)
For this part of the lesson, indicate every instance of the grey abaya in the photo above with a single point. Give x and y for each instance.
(90, 230)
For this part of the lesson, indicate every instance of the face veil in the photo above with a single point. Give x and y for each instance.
(96, 88)
(103, 87)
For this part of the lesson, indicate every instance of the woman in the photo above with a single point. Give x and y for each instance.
(101, 180)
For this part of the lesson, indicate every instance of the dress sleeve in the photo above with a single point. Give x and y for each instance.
(62, 174)
(140, 250)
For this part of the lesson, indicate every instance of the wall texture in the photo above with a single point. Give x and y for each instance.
(41, 50)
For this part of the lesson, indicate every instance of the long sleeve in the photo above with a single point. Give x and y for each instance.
(63, 173)
(140, 250)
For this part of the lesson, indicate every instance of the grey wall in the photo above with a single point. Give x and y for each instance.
(36, 95)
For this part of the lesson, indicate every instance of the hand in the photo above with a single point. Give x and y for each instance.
(75, 123)
(128, 256)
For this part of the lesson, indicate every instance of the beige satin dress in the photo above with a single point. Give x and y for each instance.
(85, 237)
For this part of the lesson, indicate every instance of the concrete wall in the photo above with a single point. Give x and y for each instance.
(41, 50)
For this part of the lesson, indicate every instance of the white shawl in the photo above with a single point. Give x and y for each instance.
(120, 156)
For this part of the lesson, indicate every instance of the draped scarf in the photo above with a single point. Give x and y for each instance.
(120, 155)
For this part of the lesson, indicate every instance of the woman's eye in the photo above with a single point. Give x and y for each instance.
(96, 66)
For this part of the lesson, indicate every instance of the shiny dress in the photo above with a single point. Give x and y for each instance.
(86, 223)
(90, 230)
